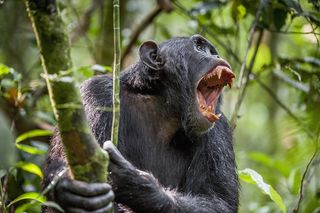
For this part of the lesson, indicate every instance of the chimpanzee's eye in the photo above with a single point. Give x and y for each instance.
(200, 48)
(202, 45)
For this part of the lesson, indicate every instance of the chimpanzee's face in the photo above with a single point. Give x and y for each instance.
(195, 76)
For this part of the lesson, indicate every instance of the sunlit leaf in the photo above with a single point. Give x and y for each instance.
(238, 11)
(30, 149)
(28, 196)
(32, 206)
(263, 57)
(30, 167)
(85, 71)
(32, 134)
(4, 70)
(251, 176)
(108, 68)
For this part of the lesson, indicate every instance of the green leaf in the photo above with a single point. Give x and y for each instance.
(4, 70)
(28, 196)
(32, 206)
(294, 181)
(30, 167)
(108, 68)
(86, 71)
(238, 11)
(251, 176)
(32, 134)
(30, 149)
(263, 57)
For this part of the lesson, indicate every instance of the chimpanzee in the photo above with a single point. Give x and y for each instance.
(175, 151)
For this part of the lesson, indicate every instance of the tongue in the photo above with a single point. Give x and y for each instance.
(212, 96)
(208, 95)
(201, 99)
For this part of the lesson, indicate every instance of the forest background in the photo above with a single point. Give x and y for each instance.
(274, 105)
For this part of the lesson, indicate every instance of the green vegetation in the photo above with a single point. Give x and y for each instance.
(274, 105)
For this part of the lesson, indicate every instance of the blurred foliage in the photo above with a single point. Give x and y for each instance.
(278, 128)
(251, 176)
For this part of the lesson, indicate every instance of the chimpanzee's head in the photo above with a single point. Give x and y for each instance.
(192, 76)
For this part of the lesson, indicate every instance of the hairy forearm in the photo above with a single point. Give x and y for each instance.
(150, 196)
(141, 192)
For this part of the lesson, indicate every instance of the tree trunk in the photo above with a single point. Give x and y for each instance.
(87, 161)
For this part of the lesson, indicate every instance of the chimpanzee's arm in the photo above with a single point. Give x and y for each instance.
(142, 193)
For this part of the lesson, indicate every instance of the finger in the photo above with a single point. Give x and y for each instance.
(101, 210)
(88, 203)
(115, 156)
(83, 188)
(108, 208)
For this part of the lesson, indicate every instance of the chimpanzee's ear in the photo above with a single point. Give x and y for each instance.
(150, 55)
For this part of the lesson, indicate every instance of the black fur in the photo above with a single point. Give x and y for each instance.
(188, 166)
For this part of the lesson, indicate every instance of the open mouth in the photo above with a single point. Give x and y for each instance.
(209, 88)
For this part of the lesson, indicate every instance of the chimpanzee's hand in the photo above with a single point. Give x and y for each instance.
(117, 161)
(132, 186)
(122, 172)
(76, 196)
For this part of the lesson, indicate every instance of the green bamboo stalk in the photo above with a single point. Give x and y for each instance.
(87, 161)
(116, 72)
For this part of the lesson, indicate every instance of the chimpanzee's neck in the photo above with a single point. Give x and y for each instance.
(150, 132)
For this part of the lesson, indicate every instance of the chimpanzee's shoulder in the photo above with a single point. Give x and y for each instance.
(95, 84)
(96, 90)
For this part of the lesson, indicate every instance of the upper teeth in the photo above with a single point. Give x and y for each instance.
(219, 72)
(210, 75)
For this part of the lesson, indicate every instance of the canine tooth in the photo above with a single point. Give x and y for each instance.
(216, 117)
(219, 72)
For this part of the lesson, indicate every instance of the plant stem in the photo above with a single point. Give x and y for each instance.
(116, 72)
